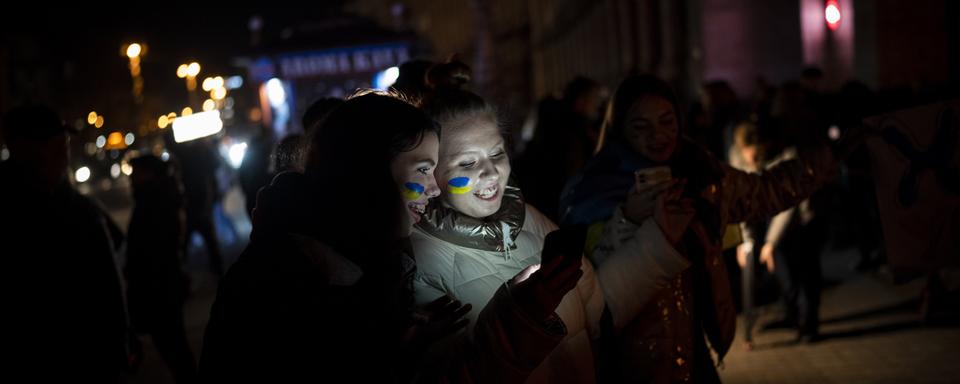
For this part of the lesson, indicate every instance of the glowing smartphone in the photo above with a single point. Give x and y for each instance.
(567, 242)
(652, 175)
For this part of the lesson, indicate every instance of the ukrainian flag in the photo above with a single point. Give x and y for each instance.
(412, 191)
(459, 185)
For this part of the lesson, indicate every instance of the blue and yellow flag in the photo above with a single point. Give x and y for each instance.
(459, 185)
(412, 191)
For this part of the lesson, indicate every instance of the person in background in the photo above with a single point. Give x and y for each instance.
(156, 284)
(789, 244)
(64, 312)
(564, 139)
(291, 151)
(661, 338)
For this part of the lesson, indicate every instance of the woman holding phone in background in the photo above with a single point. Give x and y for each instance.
(657, 335)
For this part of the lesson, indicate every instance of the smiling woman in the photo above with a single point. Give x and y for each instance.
(473, 155)
(412, 170)
(412, 191)
(480, 233)
(306, 299)
(643, 134)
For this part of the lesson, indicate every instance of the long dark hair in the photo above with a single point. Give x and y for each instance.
(348, 164)
(689, 161)
(629, 91)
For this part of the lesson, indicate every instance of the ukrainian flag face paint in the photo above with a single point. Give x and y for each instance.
(459, 185)
(412, 191)
(474, 167)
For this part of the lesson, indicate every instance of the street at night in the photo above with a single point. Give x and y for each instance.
(481, 191)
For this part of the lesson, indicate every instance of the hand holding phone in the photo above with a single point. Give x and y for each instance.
(539, 289)
(566, 243)
(652, 176)
(649, 183)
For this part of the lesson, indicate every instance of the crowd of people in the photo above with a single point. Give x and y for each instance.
(392, 241)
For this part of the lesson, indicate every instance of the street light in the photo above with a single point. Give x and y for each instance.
(189, 72)
(115, 141)
(163, 121)
(207, 84)
(133, 50)
(218, 93)
(193, 69)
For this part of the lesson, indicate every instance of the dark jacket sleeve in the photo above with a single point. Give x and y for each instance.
(505, 348)
(747, 197)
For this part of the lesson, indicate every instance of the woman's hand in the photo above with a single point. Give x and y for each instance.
(439, 319)
(766, 256)
(641, 200)
(743, 252)
(673, 214)
(538, 289)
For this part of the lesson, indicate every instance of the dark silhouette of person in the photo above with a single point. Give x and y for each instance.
(64, 311)
(714, 116)
(255, 169)
(412, 80)
(564, 139)
(289, 154)
(317, 111)
(291, 151)
(156, 284)
(197, 163)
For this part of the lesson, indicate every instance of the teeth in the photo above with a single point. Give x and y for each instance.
(487, 193)
(418, 208)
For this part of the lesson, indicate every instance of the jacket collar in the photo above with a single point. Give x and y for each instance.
(485, 234)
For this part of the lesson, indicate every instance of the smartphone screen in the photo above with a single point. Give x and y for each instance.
(652, 175)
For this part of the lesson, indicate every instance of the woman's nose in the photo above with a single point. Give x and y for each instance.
(489, 171)
(432, 190)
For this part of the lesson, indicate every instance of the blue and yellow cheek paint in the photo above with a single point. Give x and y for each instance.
(459, 185)
(412, 191)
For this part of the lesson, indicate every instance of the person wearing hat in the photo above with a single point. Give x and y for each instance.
(38, 143)
(64, 311)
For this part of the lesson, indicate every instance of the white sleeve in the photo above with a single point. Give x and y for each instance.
(778, 226)
(591, 295)
(633, 263)
(427, 288)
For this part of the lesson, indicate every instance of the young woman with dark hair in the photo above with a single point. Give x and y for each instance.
(324, 289)
(658, 334)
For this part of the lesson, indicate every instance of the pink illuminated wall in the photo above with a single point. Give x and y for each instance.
(744, 39)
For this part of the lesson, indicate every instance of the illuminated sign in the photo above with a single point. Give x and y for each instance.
(358, 60)
(197, 125)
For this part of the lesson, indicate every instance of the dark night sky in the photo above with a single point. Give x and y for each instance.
(72, 57)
